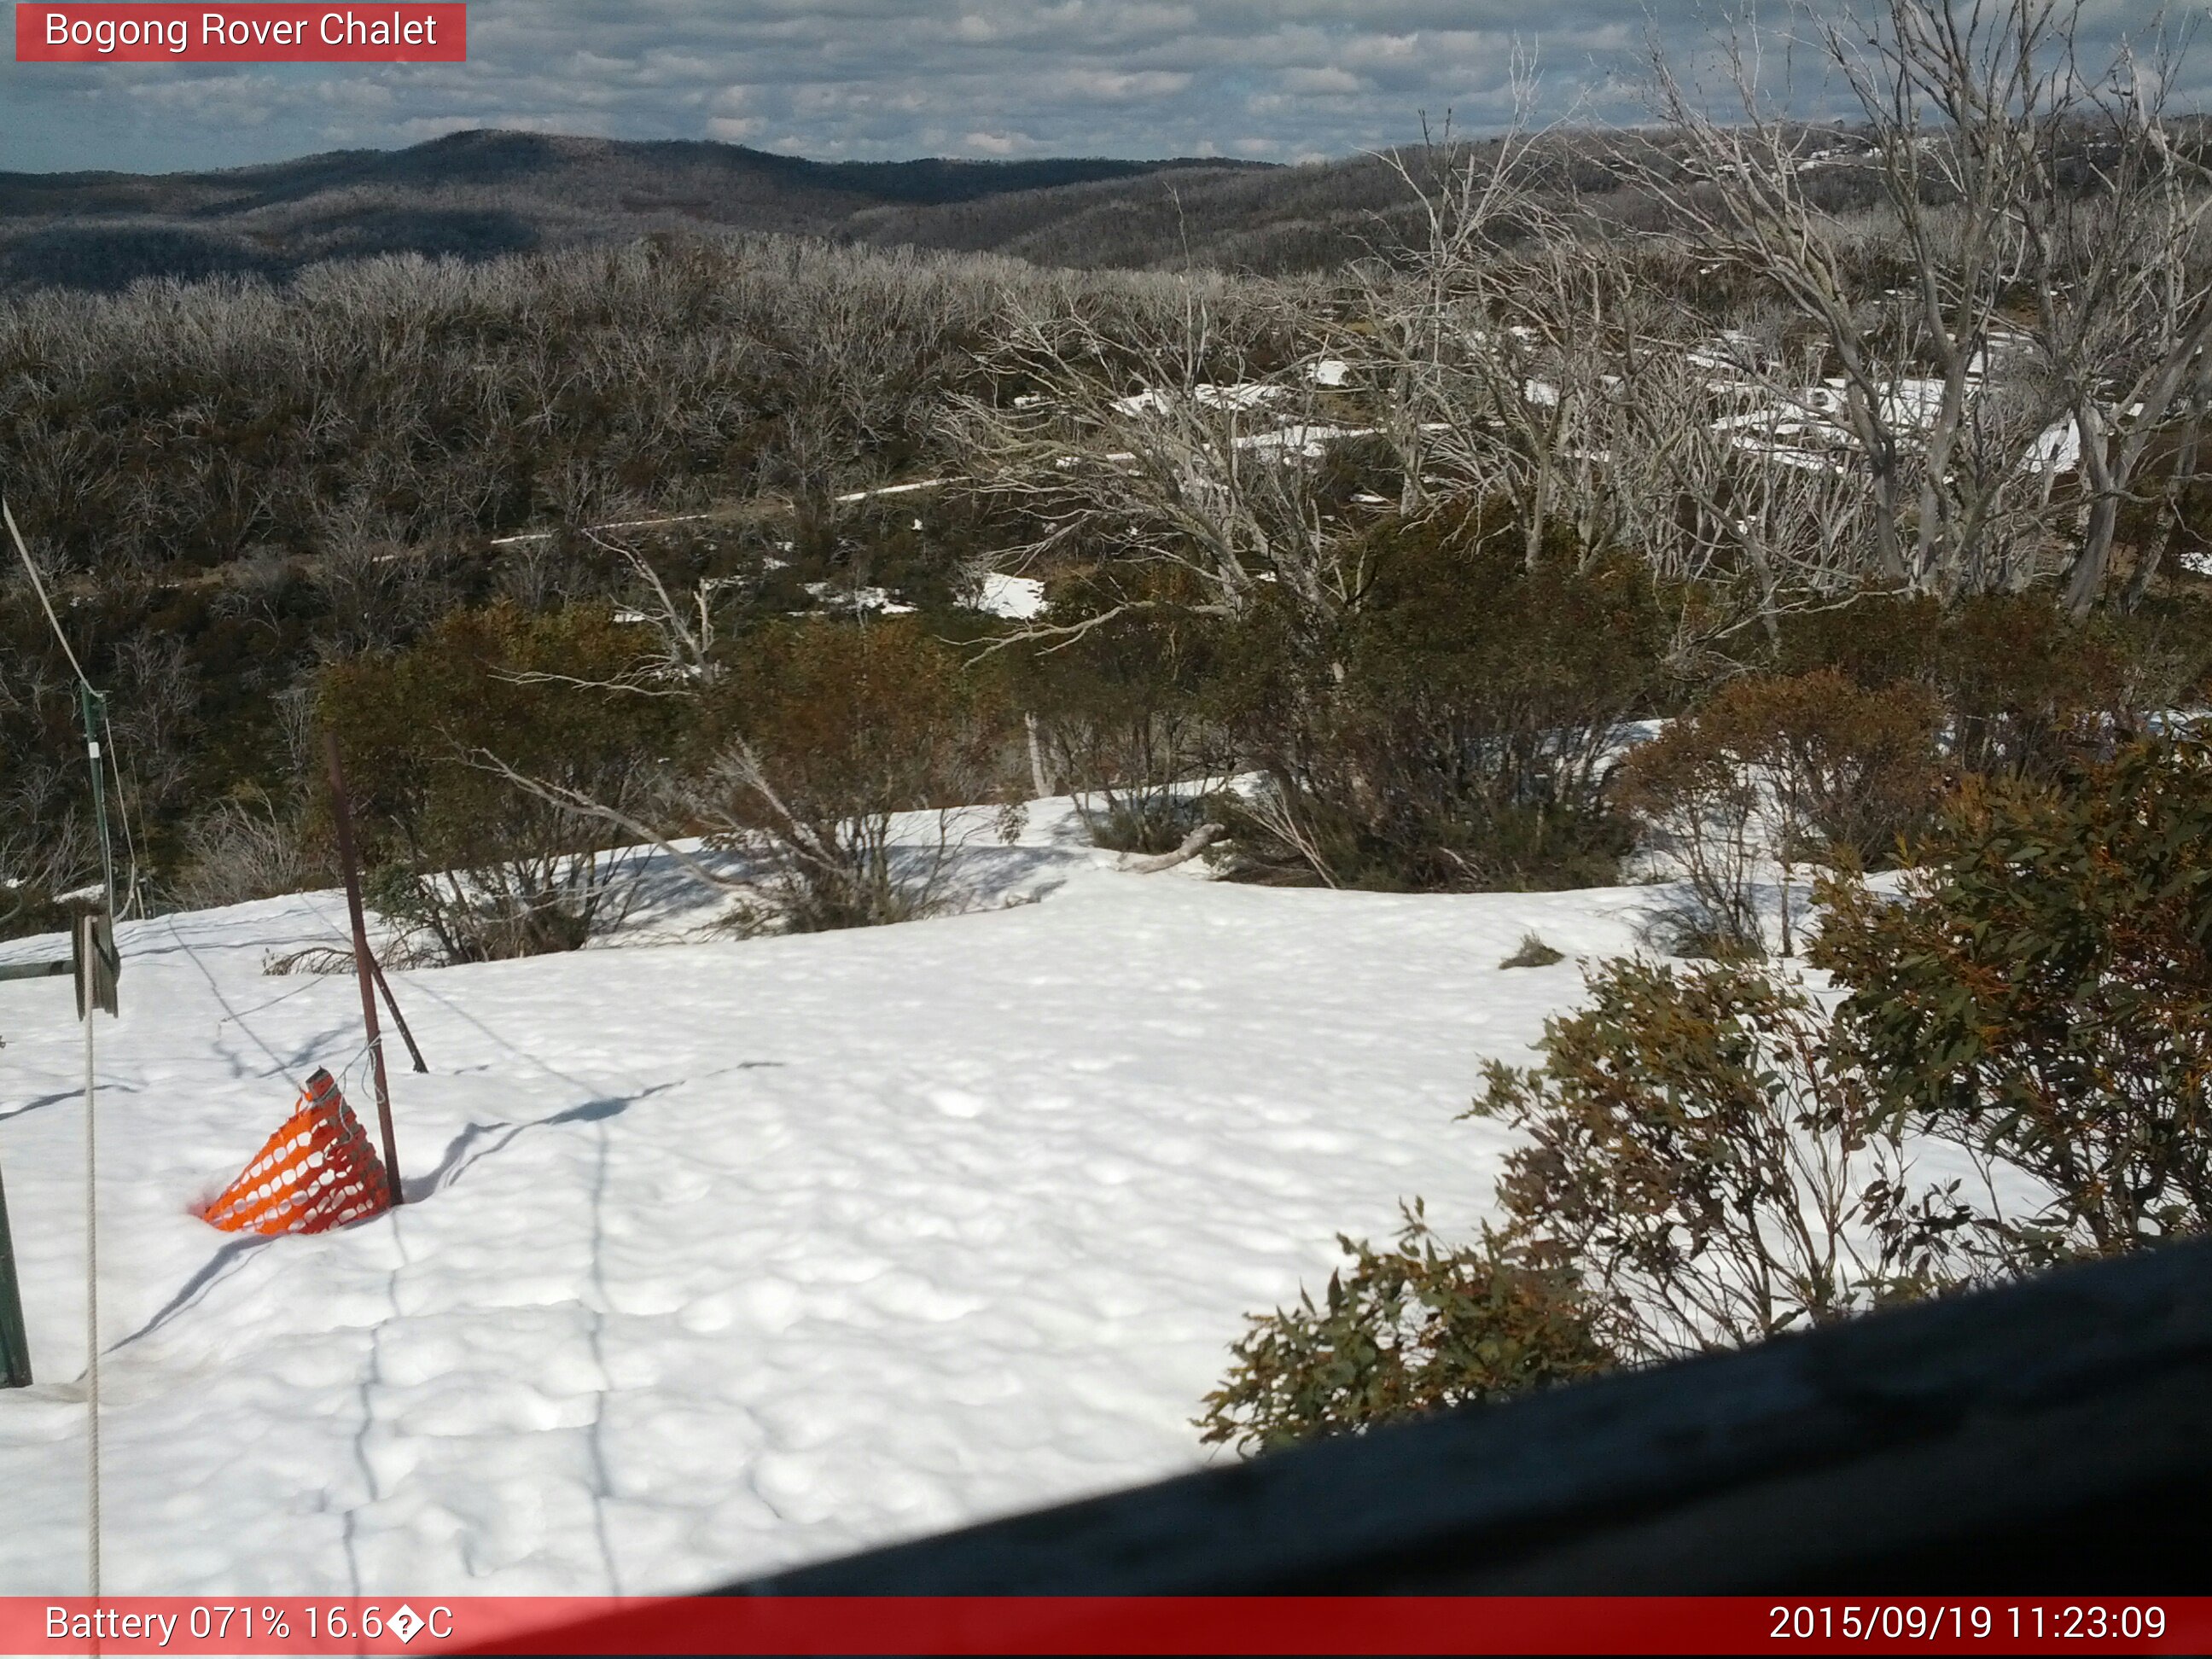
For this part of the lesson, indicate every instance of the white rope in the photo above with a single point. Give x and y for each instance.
(39, 588)
(91, 1299)
(133, 903)
(106, 748)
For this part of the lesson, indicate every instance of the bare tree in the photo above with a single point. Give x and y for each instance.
(2123, 290)
(1513, 342)
(1549, 363)
(1978, 121)
(1173, 440)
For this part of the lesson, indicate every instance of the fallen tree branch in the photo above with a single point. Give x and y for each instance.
(1193, 844)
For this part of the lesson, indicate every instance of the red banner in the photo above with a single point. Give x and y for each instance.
(231, 34)
(1084, 1624)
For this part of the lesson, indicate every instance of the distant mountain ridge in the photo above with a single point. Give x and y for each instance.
(486, 193)
(492, 157)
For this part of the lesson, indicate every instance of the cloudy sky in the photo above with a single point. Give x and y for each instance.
(1275, 79)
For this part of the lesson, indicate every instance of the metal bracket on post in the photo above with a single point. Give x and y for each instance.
(96, 963)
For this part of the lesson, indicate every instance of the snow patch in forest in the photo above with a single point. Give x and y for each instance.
(1018, 599)
(872, 601)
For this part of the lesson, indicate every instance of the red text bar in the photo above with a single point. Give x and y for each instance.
(284, 34)
(1086, 1625)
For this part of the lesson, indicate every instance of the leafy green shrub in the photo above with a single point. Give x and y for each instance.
(1694, 1150)
(463, 754)
(1411, 1329)
(2042, 992)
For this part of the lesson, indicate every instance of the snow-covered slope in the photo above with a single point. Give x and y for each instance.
(723, 1255)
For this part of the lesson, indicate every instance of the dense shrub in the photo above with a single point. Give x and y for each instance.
(1455, 730)
(1772, 772)
(1857, 769)
(816, 738)
(2025, 689)
(1875, 639)
(189, 423)
(1121, 710)
(2021, 689)
(1708, 1160)
(1697, 1172)
(1693, 1151)
(462, 753)
(1409, 1329)
(2042, 992)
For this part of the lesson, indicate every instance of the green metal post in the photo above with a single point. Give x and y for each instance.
(15, 1341)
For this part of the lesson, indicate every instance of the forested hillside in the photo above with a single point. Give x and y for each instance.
(1565, 434)
(474, 195)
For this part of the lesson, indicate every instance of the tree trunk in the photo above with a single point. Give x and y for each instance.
(1039, 781)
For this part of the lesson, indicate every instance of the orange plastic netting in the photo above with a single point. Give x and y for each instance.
(316, 1172)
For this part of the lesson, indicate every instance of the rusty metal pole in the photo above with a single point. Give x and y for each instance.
(392, 1008)
(342, 814)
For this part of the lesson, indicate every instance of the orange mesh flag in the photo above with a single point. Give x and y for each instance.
(314, 1173)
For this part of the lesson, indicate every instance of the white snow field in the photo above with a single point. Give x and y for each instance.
(723, 1255)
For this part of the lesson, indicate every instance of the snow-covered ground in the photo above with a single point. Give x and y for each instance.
(1019, 599)
(723, 1255)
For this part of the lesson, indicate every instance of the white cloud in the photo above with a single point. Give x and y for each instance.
(1328, 81)
(1115, 86)
(870, 79)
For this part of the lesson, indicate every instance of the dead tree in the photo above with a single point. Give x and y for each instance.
(1972, 113)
